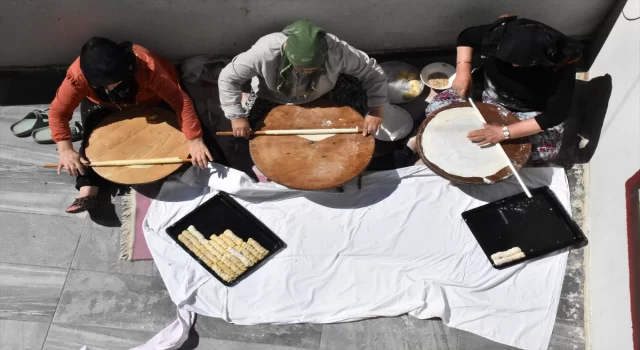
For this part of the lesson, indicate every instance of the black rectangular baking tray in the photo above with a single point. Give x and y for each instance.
(539, 225)
(219, 213)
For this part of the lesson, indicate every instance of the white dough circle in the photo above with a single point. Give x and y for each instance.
(445, 144)
(318, 137)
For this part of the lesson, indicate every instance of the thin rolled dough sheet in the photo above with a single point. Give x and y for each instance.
(445, 144)
(319, 137)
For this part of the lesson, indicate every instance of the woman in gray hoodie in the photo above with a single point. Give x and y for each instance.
(298, 65)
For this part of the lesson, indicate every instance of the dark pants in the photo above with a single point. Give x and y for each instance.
(91, 114)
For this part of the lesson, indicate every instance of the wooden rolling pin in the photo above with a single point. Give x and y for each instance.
(129, 162)
(355, 130)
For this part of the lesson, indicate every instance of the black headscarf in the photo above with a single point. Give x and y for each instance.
(104, 62)
(527, 43)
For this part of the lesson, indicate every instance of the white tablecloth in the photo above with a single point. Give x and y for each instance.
(398, 245)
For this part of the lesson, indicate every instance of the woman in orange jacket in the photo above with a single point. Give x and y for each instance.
(107, 77)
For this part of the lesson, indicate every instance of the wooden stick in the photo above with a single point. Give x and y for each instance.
(513, 169)
(128, 162)
(354, 130)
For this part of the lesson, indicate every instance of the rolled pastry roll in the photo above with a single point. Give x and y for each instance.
(188, 244)
(230, 259)
(506, 253)
(191, 238)
(244, 251)
(219, 240)
(210, 256)
(227, 240)
(258, 247)
(246, 262)
(211, 250)
(215, 245)
(251, 249)
(236, 261)
(509, 259)
(225, 260)
(225, 268)
(195, 232)
(220, 273)
(182, 238)
(233, 237)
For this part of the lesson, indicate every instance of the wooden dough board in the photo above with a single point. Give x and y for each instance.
(518, 150)
(137, 133)
(302, 164)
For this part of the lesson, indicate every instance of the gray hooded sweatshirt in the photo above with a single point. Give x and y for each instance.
(261, 64)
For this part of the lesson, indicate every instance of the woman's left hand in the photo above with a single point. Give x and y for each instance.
(490, 134)
(200, 154)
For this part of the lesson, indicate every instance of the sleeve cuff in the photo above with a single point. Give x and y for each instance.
(234, 112)
(377, 101)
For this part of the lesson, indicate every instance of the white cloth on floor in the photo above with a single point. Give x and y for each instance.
(398, 245)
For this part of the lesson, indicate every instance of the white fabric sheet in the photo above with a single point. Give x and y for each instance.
(398, 245)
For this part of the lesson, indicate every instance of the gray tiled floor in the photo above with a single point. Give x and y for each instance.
(62, 285)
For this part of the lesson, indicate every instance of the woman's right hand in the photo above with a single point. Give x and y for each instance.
(71, 161)
(462, 84)
(241, 127)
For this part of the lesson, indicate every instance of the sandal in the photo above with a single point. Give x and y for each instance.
(43, 135)
(82, 204)
(34, 120)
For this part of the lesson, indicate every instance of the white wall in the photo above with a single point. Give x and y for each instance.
(616, 160)
(39, 32)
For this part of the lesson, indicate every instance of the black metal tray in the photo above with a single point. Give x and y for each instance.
(219, 213)
(538, 226)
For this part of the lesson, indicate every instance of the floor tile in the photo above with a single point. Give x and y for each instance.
(571, 307)
(298, 335)
(99, 250)
(22, 151)
(402, 333)
(38, 203)
(66, 337)
(115, 301)
(38, 239)
(566, 336)
(20, 335)
(26, 179)
(30, 293)
(470, 341)
(217, 344)
(25, 186)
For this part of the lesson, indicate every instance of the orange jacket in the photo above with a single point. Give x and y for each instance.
(157, 80)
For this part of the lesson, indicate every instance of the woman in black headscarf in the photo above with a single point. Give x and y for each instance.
(528, 69)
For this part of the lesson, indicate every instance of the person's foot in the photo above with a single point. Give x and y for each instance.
(82, 204)
(87, 200)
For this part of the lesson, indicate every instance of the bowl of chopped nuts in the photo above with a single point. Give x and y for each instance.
(438, 76)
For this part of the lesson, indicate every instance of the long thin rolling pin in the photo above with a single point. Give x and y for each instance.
(513, 169)
(153, 161)
(355, 130)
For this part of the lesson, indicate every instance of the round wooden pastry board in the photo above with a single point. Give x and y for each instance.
(518, 150)
(298, 163)
(137, 133)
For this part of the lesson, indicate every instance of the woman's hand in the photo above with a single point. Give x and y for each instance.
(70, 159)
(241, 127)
(489, 135)
(373, 120)
(200, 154)
(462, 84)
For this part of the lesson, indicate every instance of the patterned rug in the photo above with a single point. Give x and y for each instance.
(133, 246)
